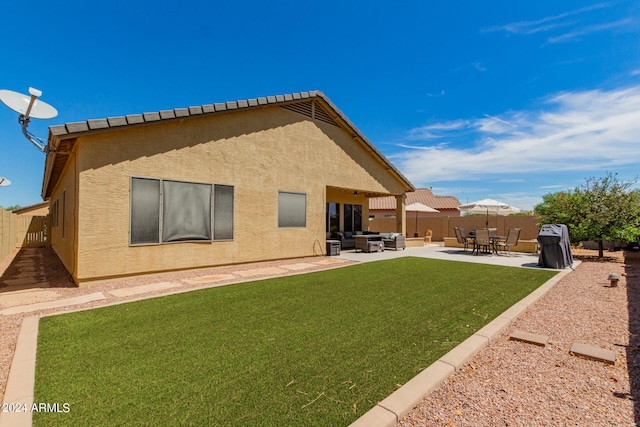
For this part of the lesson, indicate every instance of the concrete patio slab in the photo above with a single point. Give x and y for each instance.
(143, 289)
(20, 385)
(330, 261)
(541, 340)
(593, 353)
(209, 279)
(297, 267)
(53, 304)
(11, 299)
(450, 254)
(260, 272)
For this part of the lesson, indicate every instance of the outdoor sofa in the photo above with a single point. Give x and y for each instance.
(393, 241)
(347, 241)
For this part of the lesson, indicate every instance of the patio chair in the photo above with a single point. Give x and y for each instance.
(460, 237)
(512, 240)
(427, 236)
(482, 240)
(492, 231)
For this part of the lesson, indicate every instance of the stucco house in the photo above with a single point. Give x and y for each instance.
(216, 184)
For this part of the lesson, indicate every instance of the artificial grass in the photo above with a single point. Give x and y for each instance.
(312, 349)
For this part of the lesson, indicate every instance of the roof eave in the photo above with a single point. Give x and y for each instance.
(68, 131)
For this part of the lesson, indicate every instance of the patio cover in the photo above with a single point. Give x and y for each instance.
(555, 248)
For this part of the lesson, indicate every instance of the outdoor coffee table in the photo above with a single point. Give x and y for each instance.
(375, 246)
(369, 242)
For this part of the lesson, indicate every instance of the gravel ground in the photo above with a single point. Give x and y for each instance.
(508, 383)
(512, 383)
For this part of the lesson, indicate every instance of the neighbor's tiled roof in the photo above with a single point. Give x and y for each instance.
(62, 137)
(421, 195)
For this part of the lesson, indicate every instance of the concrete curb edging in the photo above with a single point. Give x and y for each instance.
(18, 396)
(390, 410)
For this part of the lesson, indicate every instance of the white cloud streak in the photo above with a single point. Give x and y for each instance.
(579, 131)
(542, 25)
(590, 29)
(570, 22)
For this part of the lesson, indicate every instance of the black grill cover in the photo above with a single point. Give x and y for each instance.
(555, 248)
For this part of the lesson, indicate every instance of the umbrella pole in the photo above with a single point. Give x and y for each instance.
(415, 234)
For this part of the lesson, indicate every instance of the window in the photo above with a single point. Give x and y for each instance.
(64, 207)
(166, 211)
(352, 217)
(333, 217)
(292, 209)
(145, 211)
(223, 212)
(54, 213)
(186, 211)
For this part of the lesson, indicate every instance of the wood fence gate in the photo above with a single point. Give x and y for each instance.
(32, 231)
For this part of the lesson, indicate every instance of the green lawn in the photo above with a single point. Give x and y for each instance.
(315, 349)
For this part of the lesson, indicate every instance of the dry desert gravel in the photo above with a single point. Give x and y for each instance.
(509, 383)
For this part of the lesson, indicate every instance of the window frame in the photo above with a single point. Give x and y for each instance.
(305, 209)
(351, 214)
(160, 212)
(329, 218)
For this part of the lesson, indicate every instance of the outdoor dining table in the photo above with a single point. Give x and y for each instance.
(493, 242)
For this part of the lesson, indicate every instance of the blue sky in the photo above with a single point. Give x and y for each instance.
(502, 100)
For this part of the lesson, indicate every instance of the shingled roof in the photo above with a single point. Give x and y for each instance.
(420, 195)
(62, 137)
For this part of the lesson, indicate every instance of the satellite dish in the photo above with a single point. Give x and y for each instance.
(28, 106)
(4, 182)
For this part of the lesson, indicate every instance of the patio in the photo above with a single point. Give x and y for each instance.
(436, 251)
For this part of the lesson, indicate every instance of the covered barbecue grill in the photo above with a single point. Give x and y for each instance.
(555, 248)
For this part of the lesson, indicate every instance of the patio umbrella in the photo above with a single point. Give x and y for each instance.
(419, 207)
(488, 206)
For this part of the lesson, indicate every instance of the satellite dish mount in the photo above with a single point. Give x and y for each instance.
(29, 106)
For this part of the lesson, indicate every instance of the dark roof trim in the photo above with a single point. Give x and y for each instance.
(59, 133)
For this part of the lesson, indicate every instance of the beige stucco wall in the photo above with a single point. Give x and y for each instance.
(258, 152)
(63, 236)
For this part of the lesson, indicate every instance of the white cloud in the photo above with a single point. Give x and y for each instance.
(542, 25)
(571, 22)
(589, 29)
(578, 131)
(436, 130)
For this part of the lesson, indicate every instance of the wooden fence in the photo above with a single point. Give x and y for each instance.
(22, 232)
(443, 226)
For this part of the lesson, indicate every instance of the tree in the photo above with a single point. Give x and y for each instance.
(10, 208)
(601, 209)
